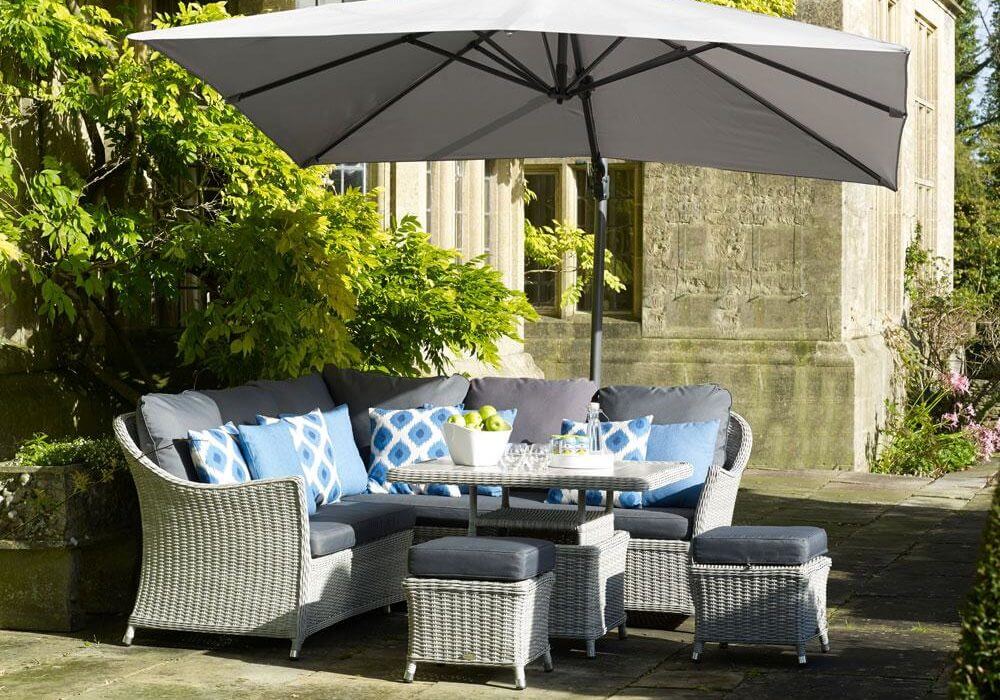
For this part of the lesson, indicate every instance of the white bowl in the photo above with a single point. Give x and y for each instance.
(474, 448)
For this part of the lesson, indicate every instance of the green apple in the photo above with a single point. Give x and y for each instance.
(496, 424)
(457, 419)
(487, 411)
(474, 421)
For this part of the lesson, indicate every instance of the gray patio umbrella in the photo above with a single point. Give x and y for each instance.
(660, 80)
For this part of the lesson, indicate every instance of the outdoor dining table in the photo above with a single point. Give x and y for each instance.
(623, 476)
(589, 594)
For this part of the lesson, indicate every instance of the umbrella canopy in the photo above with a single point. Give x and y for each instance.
(662, 80)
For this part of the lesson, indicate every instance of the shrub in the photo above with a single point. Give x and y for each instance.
(977, 672)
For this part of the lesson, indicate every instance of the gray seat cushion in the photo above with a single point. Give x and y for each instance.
(364, 390)
(339, 526)
(437, 511)
(482, 558)
(671, 404)
(162, 425)
(541, 403)
(643, 523)
(759, 544)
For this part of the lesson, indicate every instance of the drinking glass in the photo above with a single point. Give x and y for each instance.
(512, 457)
(538, 457)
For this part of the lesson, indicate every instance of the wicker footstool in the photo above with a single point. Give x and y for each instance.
(760, 584)
(480, 601)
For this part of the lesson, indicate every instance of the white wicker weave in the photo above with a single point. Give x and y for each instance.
(478, 623)
(657, 573)
(760, 604)
(235, 559)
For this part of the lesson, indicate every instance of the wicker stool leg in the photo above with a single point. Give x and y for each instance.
(296, 648)
(622, 631)
(696, 651)
(802, 654)
(519, 681)
(410, 672)
(824, 642)
(547, 662)
(129, 636)
(591, 649)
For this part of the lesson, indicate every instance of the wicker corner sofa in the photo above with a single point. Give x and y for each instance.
(237, 559)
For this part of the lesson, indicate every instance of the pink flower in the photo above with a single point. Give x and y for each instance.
(956, 382)
(950, 419)
(987, 439)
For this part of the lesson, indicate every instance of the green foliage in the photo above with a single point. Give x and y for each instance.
(550, 247)
(939, 422)
(977, 672)
(921, 444)
(177, 185)
(417, 287)
(778, 8)
(98, 454)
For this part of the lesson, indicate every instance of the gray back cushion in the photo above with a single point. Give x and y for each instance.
(298, 396)
(364, 390)
(671, 404)
(163, 422)
(541, 403)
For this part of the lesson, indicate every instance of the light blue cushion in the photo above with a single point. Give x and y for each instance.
(314, 447)
(401, 437)
(627, 441)
(216, 456)
(682, 442)
(350, 467)
(270, 453)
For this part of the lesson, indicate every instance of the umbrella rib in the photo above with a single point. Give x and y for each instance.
(527, 72)
(548, 55)
(233, 99)
(512, 68)
(593, 64)
(354, 128)
(891, 111)
(767, 104)
(460, 58)
(652, 63)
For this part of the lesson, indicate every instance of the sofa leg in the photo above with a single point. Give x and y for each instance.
(296, 648)
(519, 681)
(547, 661)
(802, 654)
(824, 642)
(696, 651)
(622, 631)
(129, 636)
(591, 649)
(387, 609)
(410, 672)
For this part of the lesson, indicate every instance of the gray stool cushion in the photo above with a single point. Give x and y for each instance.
(759, 544)
(482, 558)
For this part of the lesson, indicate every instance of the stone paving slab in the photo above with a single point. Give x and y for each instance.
(903, 550)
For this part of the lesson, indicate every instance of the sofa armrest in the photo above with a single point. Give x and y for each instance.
(230, 557)
(718, 497)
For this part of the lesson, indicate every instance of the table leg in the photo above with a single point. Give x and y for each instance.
(581, 505)
(473, 509)
(505, 496)
(609, 501)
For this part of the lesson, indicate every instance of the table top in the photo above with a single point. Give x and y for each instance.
(623, 476)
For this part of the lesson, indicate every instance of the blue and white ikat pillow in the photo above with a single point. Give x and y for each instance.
(311, 438)
(401, 437)
(627, 441)
(217, 457)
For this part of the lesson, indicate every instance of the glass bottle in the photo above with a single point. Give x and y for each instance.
(595, 442)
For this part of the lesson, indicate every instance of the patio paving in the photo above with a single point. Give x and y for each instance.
(903, 551)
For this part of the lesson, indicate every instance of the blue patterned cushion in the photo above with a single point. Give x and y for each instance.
(627, 441)
(270, 454)
(311, 439)
(401, 437)
(216, 456)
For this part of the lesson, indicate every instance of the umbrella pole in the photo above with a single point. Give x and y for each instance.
(599, 174)
(599, 180)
